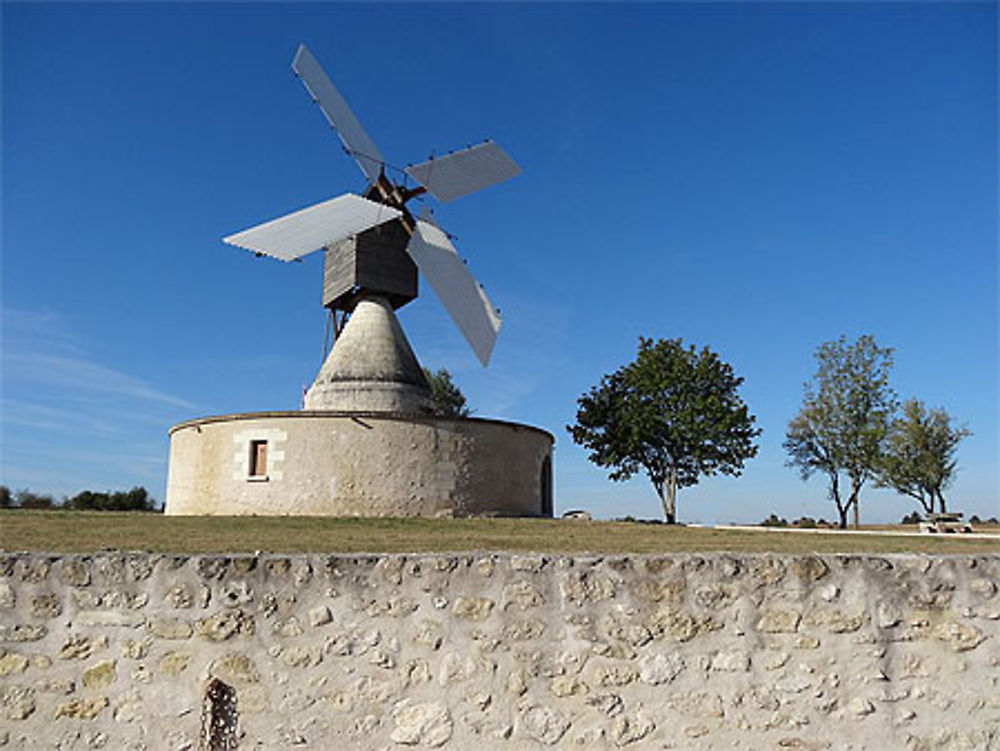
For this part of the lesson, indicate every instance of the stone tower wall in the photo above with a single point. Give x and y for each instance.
(358, 464)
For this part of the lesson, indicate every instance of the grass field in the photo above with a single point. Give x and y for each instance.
(81, 531)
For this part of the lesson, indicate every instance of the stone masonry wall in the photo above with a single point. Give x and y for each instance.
(498, 651)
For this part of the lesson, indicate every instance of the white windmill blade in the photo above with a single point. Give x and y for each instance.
(462, 296)
(465, 171)
(338, 113)
(294, 235)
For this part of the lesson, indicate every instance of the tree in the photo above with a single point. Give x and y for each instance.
(6, 498)
(28, 500)
(673, 412)
(919, 459)
(446, 399)
(136, 499)
(844, 419)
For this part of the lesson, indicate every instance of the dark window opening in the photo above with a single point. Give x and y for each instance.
(219, 717)
(546, 486)
(258, 459)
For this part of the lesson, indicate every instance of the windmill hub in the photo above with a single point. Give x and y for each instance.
(365, 442)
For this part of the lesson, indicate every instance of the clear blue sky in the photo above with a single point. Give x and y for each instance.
(756, 178)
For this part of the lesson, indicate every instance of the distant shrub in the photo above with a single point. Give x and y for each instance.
(911, 518)
(136, 499)
(27, 499)
(774, 521)
(806, 522)
(632, 520)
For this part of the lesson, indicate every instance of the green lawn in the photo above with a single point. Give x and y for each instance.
(81, 531)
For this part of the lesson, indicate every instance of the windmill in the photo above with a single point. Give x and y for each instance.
(374, 246)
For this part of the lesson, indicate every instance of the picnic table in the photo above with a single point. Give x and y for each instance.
(949, 523)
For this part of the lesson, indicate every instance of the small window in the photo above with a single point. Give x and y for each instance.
(258, 459)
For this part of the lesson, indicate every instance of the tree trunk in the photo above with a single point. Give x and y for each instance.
(834, 492)
(842, 510)
(855, 501)
(941, 503)
(835, 495)
(668, 497)
(927, 504)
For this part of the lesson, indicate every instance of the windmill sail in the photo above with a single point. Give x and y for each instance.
(357, 142)
(374, 265)
(462, 296)
(462, 172)
(294, 235)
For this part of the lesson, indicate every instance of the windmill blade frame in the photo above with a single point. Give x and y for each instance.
(338, 113)
(315, 227)
(459, 292)
(464, 171)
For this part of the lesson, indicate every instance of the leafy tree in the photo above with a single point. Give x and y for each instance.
(446, 399)
(673, 412)
(844, 419)
(136, 499)
(919, 459)
(6, 498)
(29, 500)
(86, 501)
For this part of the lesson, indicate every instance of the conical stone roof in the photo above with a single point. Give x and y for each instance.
(371, 367)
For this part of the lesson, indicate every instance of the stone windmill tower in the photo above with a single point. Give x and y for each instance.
(374, 249)
(366, 442)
